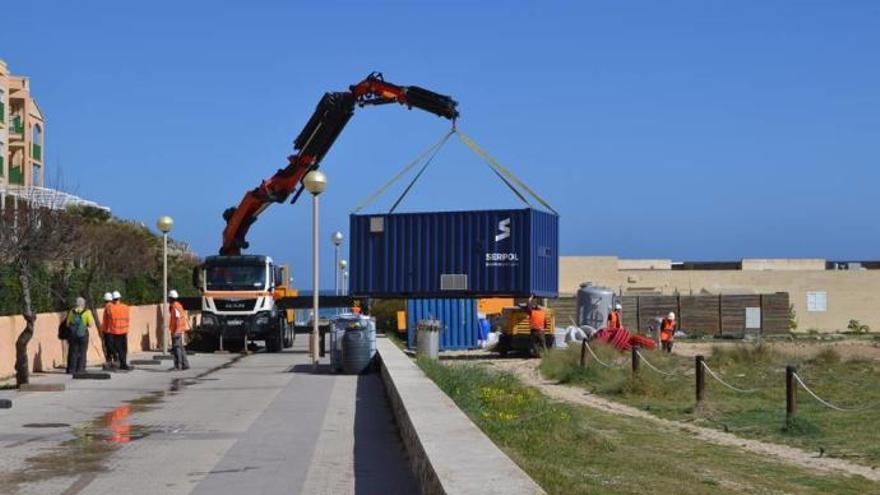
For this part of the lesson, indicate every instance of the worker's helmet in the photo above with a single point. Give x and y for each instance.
(108, 296)
(172, 294)
(671, 315)
(116, 295)
(618, 306)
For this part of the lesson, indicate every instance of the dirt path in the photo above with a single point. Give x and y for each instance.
(527, 371)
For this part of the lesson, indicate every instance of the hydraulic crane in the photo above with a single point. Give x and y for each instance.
(326, 123)
(241, 293)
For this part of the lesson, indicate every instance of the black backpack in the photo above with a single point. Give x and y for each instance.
(63, 329)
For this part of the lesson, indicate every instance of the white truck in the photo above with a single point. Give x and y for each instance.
(239, 302)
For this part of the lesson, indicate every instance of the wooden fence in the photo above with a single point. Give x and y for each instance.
(723, 315)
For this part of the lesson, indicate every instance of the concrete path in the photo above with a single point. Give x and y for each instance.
(260, 424)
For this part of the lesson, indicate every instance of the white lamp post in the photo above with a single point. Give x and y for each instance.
(342, 273)
(315, 182)
(165, 223)
(337, 240)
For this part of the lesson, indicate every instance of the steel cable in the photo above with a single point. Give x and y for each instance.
(731, 387)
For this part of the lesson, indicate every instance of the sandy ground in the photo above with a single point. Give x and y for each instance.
(526, 370)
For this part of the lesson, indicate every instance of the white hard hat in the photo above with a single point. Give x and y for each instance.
(108, 296)
(618, 306)
(116, 295)
(172, 294)
(671, 315)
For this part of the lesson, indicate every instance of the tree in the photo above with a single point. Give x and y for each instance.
(35, 232)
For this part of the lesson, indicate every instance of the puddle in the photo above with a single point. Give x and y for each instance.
(90, 444)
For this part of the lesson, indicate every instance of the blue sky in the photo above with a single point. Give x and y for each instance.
(691, 130)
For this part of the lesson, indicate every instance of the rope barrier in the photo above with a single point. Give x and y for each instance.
(731, 387)
(597, 357)
(825, 402)
(666, 373)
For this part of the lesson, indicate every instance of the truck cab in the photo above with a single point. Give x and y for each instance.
(239, 301)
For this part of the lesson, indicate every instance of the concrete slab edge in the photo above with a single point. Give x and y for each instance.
(427, 440)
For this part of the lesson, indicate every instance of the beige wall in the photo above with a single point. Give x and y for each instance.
(851, 294)
(45, 351)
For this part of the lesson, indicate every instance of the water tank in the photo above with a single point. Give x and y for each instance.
(356, 356)
(593, 305)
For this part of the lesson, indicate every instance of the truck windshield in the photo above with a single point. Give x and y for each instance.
(236, 277)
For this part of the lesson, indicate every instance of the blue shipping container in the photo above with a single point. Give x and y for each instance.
(458, 318)
(455, 254)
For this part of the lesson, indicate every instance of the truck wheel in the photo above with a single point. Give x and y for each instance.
(503, 345)
(288, 337)
(274, 342)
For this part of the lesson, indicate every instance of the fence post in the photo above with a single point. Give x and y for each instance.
(790, 393)
(583, 353)
(635, 359)
(701, 379)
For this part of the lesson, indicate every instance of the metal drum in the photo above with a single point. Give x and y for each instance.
(593, 305)
(356, 357)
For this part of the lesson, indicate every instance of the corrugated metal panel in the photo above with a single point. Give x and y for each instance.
(458, 317)
(455, 254)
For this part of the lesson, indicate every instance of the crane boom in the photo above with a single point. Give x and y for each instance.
(314, 141)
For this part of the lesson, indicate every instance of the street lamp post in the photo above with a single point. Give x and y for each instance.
(337, 240)
(315, 182)
(165, 223)
(343, 275)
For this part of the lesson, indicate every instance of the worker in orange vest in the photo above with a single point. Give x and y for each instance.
(119, 321)
(614, 317)
(537, 323)
(667, 332)
(178, 325)
(106, 338)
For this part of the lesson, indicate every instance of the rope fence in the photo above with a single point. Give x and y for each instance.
(592, 353)
(793, 379)
(651, 366)
(827, 404)
(719, 380)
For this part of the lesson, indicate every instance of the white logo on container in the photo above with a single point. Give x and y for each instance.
(504, 228)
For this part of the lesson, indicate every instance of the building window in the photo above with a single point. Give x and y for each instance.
(817, 301)
(37, 178)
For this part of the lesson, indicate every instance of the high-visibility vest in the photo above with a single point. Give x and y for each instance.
(178, 321)
(667, 329)
(614, 320)
(537, 319)
(105, 321)
(120, 318)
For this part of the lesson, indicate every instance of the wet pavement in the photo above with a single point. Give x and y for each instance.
(262, 423)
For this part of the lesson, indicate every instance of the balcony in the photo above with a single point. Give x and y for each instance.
(37, 152)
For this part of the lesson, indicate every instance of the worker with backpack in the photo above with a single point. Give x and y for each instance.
(78, 321)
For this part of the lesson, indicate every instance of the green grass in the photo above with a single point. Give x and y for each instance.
(570, 449)
(758, 415)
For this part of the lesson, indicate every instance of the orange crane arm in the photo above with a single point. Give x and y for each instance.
(330, 117)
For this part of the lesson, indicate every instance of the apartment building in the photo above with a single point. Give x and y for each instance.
(22, 132)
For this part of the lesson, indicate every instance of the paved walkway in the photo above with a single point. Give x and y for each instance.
(261, 424)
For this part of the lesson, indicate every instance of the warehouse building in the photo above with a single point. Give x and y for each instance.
(824, 295)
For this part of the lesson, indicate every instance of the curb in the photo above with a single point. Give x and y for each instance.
(436, 434)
